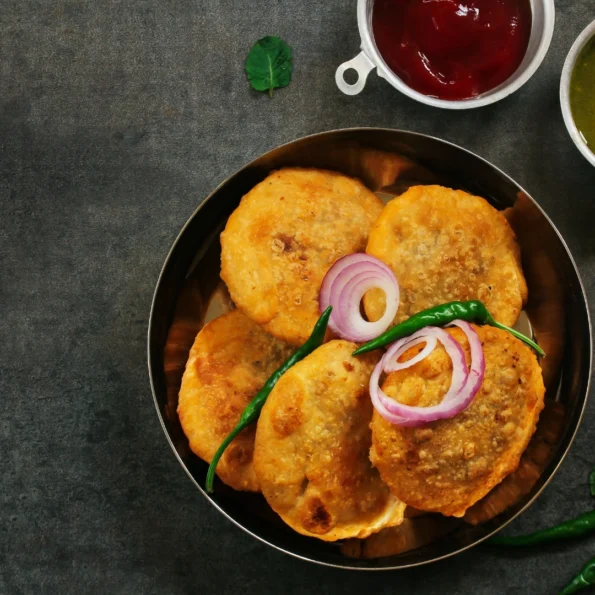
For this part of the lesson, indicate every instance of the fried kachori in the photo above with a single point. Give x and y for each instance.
(445, 245)
(312, 448)
(230, 360)
(448, 465)
(282, 239)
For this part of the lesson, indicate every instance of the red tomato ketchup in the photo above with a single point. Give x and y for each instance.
(452, 49)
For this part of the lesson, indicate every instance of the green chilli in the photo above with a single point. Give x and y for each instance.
(472, 311)
(252, 410)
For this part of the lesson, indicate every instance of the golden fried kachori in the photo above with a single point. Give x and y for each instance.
(445, 245)
(282, 239)
(312, 448)
(231, 359)
(448, 465)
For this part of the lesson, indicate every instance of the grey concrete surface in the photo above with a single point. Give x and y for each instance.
(116, 119)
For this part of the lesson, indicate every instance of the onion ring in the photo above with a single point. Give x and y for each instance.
(465, 383)
(344, 286)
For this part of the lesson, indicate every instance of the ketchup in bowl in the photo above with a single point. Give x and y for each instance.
(452, 49)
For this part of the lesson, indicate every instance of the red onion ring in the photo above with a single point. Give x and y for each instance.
(344, 286)
(478, 363)
(464, 385)
(397, 350)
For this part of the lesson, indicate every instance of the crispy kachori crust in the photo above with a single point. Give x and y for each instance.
(312, 445)
(282, 239)
(445, 245)
(448, 465)
(231, 359)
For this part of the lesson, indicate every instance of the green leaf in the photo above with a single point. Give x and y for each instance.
(592, 482)
(268, 64)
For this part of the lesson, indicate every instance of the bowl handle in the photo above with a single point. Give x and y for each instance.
(362, 65)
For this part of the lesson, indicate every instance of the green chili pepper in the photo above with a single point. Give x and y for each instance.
(581, 525)
(592, 482)
(585, 578)
(472, 311)
(252, 410)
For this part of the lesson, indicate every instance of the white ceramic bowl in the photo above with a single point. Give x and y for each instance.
(542, 29)
(573, 54)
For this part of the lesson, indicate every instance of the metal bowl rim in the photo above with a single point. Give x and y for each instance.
(262, 539)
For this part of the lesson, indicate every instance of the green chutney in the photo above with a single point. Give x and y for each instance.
(582, 94)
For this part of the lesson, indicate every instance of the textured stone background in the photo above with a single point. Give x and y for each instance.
(116, 118)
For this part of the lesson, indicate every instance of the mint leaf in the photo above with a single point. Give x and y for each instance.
(268, 64)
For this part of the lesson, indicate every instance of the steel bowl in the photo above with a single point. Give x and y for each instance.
(190, 292)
